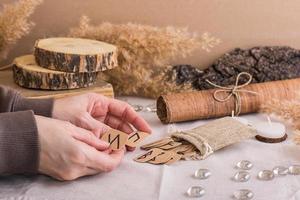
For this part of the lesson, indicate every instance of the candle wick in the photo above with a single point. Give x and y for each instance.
(269, 120)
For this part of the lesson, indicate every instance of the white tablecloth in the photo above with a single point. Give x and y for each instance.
(134, 181)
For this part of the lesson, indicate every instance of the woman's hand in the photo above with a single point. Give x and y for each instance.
(95, 112)
(68, 152)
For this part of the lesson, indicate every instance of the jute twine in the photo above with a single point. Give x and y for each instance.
(233, 91)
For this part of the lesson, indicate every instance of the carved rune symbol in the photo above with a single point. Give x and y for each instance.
(110, 141)
(115, 138)
(146, 155)
(137, 137)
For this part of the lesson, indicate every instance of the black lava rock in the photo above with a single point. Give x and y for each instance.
(263, 63)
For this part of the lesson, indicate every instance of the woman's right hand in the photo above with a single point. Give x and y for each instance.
(68, 152)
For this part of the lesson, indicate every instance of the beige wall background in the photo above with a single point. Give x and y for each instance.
(238, 23)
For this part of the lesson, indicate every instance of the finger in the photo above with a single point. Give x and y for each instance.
(117, 123)
(107, 151)
(90, 171)
(86, 171)
(126, 113)
(103, 161)
(90, 139)
(130, 148)
(86, 121)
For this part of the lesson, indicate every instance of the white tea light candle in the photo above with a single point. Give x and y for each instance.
(270, 132)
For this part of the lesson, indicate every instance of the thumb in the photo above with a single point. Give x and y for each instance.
(89, 138)
(86, 121)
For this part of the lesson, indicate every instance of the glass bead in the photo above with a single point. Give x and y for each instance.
(151, 108)
(202, 174)
(294, 170)
(137, 108)
(172, 129)
(243, 194)
(195, 191)
(280, 171)
(265, 175)
(241, 176)
(244, 164)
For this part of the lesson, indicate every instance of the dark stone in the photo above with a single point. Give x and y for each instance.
(185, 73)
(263, 63)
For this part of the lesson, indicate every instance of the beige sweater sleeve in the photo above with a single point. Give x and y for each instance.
(19, 145)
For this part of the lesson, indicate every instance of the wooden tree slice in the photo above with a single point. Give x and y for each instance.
(28, 74)
(100, 87)
(75, 54)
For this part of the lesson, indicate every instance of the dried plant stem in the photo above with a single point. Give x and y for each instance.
(143, 53)
(287, 111)
(14, 23)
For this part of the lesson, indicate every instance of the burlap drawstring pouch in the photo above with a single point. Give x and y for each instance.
(215, 135)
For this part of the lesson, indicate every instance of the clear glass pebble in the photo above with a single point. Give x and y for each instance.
(265, 175)
(202, 174)
(195, 191)
(294, 170)
(151, 108)
(243, 194)
(172, 129)
(244, 164)
(137, 108)
(241, 176)
(280, 171)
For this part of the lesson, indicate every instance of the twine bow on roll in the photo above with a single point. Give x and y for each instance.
(233, 91)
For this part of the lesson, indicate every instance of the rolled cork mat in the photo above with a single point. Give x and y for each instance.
(75, 54)
(187, 106)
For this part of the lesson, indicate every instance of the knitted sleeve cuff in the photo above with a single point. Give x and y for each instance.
(19, 146)
(39, 106)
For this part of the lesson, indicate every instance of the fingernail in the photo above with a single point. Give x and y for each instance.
(106, 143)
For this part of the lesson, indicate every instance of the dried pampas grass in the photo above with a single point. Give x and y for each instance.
(287, 111)
(143, 54)
(14, 23)
(297, 136)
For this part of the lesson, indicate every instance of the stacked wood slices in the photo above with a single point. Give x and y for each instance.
(64, 63)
